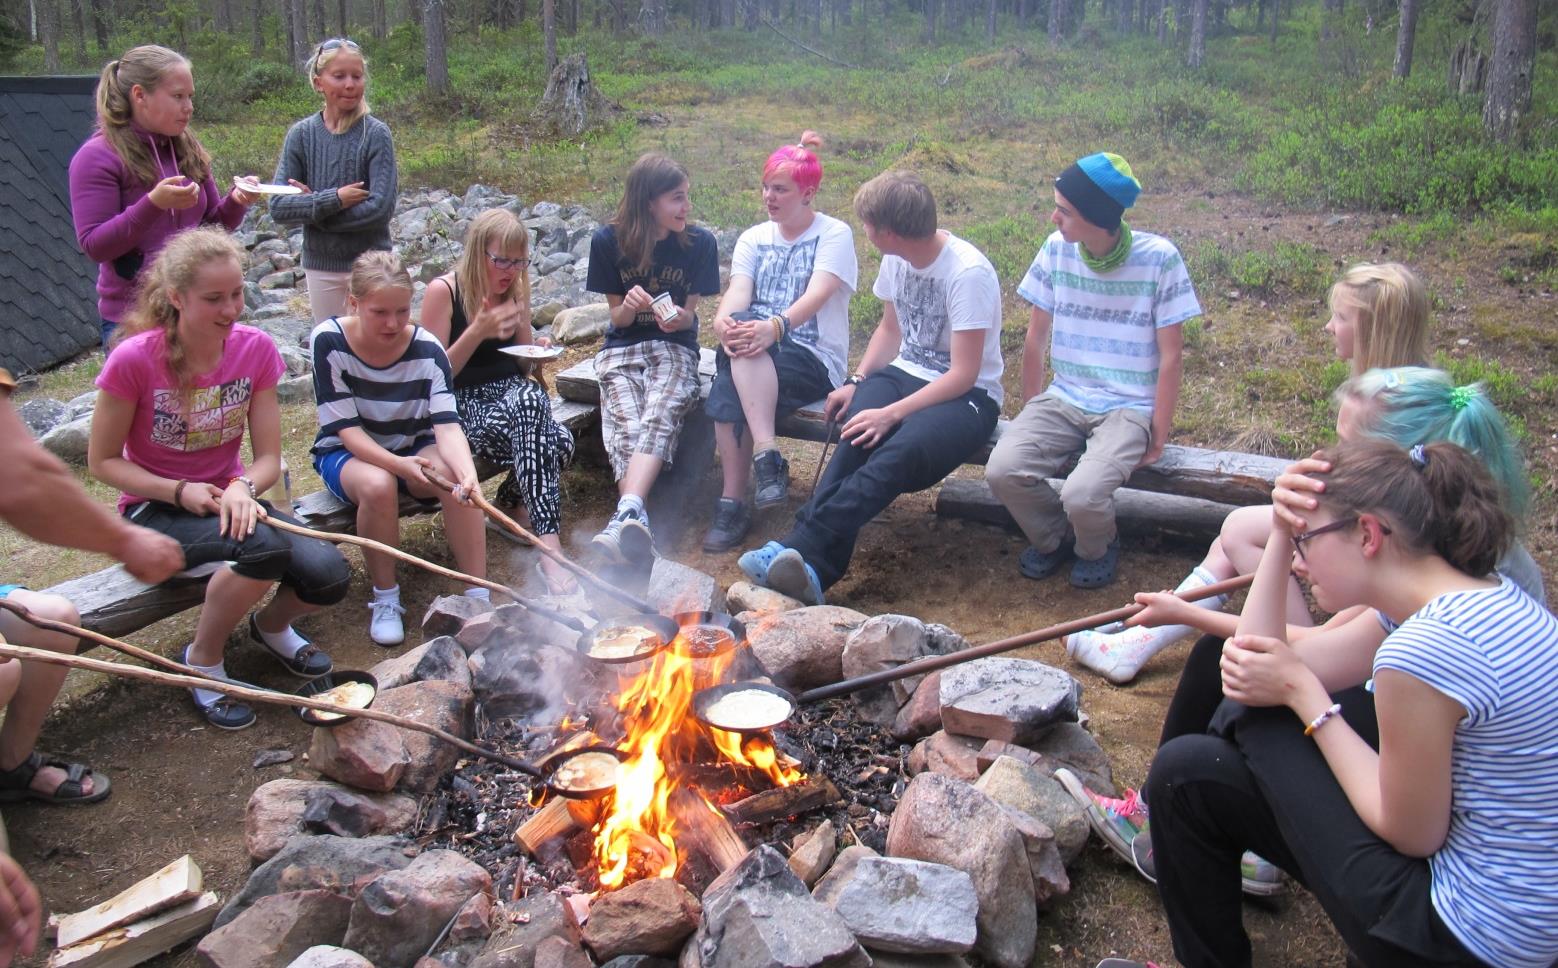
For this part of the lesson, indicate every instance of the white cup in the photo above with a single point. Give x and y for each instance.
(663, 307)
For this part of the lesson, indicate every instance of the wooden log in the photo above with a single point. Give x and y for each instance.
(1138, 513)
(708, 829)
(132, 944)
(175, 884)
(558, 817)
(781, 802)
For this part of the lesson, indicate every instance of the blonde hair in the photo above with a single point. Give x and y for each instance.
(1393, 315)
(499, 230)
(174, 270)
(321, 58)
(377, 269)
(899, 202)
(145, 67)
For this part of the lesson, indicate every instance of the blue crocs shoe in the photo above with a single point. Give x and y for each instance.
(1037, 564)
(754, 564)
(789, 574)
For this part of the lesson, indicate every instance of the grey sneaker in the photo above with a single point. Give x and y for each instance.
(772, 472)
(1258, 877)
(732, 519)
(626, 538)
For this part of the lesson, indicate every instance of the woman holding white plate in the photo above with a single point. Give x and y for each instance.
(481, 313)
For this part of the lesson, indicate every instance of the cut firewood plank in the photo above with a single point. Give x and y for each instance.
(174, 884)
(710, 831)
(809, 794)
(132, 944)
(558, 817)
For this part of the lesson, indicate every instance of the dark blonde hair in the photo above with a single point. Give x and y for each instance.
(651, 176)
(145, 67)
(1393, 315)
(899, 202)
(174, 270)
(1437, 499)
(377, 269)
(326, 51)
(499, 230)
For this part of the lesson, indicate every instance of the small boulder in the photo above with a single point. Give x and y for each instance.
(523, 679)
(444, 705)
(911, 906)
(652, 916)
(400, 914)
(522, 927)
(941, 752)
(1023, 787)
(804, 647)
(557, 952)
(42, 415)
(675, 587)
(338, 864)
(448, 612)
(838, 876)
(639, 961)
(1050, 879)
(476, 632)
(363, 753)
(396, 671)
(443, 660)
(1071, 746)
(813, 853)
(581, 324)
(1009, 699)
(68, 441)
(921, 715)
(887, 642)
(744, 596)
(759, 915)
(276, 810)
(329, 956)
(277, 929)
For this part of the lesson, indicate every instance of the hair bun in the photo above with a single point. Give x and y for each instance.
(810, 139)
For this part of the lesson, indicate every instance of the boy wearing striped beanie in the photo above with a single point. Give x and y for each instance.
(1107, 306)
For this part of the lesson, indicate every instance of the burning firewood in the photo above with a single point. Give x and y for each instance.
(776, 804)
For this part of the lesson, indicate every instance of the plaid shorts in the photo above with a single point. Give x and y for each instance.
(645, 391)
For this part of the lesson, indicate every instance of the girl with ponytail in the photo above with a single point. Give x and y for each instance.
(174, 400)
(1434, 842)
(143, 176)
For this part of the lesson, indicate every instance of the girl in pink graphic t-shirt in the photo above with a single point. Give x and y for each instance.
(176, 397)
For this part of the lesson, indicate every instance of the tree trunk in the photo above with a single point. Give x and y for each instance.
(930, 21)
(316, 22)
(78, 20)
(754, 14)
(1056, 8)
(1406, 34)
(990, 22)
(380, 20)
(1276, 18)
(1197, 52)
(299, 30)
(221, 16)
(1512, 60)
(341, 17)
(436, 47)
(1127, 14)
(414, 11)
(571, 104)
(257, 28)
(571, 17)
(549, 33)
(99, 25)
(49, 32)
(1468, 69)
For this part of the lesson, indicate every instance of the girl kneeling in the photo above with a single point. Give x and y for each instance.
(174, 400)
(386, 411)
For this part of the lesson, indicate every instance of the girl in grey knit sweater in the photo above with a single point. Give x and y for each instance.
(350, 157)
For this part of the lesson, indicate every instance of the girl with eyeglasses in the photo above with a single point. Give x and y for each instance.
(348, 157)
(143, 177)
(1441, 845)
(475, 311)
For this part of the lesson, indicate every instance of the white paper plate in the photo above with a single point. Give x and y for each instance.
(530, 351)
(264, 189)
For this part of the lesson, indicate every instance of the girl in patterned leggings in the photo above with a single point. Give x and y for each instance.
(475, 311)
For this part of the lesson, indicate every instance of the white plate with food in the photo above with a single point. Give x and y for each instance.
(532, 352)
(261, 188)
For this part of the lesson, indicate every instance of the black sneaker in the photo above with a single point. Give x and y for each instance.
(773, 479)
(226, 713)
(732, 519)
(308, 663)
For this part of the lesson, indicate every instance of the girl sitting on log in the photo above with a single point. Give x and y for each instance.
(476, 310)
(386, 411)
(1379, 318)
(652, 267)
(1440, 847)
(175, 398)
(783, 331)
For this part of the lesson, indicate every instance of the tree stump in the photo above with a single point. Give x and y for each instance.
(571, 103)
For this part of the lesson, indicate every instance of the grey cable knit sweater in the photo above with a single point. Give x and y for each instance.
(324, 161)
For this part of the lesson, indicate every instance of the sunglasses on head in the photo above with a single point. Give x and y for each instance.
(502, 263)
(335, 43)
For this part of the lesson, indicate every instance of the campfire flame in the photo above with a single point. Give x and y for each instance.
(638, 835)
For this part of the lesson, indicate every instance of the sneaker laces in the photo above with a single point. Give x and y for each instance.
(384, 610)
(1130, 808)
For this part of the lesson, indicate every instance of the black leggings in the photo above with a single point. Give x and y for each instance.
(312, 568)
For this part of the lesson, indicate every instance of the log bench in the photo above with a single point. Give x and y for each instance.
(115, 603)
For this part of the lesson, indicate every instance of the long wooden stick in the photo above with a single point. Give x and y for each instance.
(279, 524)
(934, 662)
(513, 527)
(266, 696)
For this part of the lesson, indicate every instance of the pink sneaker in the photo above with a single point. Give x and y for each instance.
(1118, 820)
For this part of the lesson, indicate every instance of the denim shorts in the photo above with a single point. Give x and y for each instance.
(329, 466)
(6, 590)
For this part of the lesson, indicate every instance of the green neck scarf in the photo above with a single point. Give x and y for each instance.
(1116, 257)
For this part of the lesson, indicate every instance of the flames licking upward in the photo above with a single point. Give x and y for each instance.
(661, 731)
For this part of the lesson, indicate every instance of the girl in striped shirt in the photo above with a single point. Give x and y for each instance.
(1440, 848)
(386, 411)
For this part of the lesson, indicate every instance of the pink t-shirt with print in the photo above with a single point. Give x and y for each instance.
(199, 442)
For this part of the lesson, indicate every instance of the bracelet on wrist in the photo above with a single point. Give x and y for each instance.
(178, 491)
(254, 492)
(1322, 719)
(855, 379)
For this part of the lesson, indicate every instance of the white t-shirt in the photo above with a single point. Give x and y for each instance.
(957, 292)
(781, 270)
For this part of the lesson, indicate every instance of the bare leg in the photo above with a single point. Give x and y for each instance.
(735, 460)
(283, 609)
(34, 685)
(375, 492)
(465, 524)
(642, 471)
(229, 597)
(557, 576)
(1241, 544)
(757, 383)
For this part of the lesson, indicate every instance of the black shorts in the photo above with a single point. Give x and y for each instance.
(803, 379)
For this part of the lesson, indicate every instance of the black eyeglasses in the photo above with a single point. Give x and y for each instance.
(502, 263)
(1337, 525)
(338, 42)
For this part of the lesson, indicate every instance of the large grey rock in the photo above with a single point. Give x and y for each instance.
(444, 705)
(832, 884)
(523, 679)
(1034, 792)
(444, 661)
(400, 913)
(448, 612)
(1071, 746)
(941, 752)
(804, 647)
(276, 810)
(557, 952)
(363, 753)
(674, 586)
(887, 642)
(82, 404)
(296, 389)
(42, 415)
(1009, 699)
(554, 261)
(529, 921)
(400, 669)
(329, 956)
(1050, 879)
(68, 441)
(581, 324)
(946, 821)
(912, 906)
(759, 915)
(744, 596)
(652, 916)
(276, 929)
(329, 863)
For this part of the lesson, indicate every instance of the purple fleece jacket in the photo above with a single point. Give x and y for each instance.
(115, 216)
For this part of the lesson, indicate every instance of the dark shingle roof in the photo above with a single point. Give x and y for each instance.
(48, 301)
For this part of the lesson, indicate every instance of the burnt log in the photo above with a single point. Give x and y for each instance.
(776, 804)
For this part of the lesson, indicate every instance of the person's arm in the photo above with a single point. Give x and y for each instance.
(868, 428)
(737, 298)
(819, 289)
(21, 911)
(383, 184)
(1171, 357)
(456, 452)
(881, 350)
(228, 212)
(103, 229)
(312, 207)
(1035, 349)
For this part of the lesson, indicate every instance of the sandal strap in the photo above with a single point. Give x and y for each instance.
(20, 776)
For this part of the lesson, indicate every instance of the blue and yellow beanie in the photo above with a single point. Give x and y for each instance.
(1101, 187)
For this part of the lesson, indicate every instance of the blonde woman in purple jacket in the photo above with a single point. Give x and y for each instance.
(143, 176)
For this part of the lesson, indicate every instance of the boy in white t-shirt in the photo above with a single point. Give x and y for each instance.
(783, 330)
(925, 397)
(1108, 305)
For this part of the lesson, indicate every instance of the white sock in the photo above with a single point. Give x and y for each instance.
(481, 593)
(390, 594)
(285, 643)
(631, 502)
(205, 696)
(1119, 657)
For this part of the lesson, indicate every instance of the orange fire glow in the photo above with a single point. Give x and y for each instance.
(637, 837)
